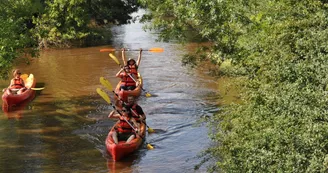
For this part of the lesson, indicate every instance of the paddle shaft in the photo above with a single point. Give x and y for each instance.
(107, 99)
(133, 79)
(116, 60)
(155, 49)
(126, 121)
(136, 131)
(106, 83)
(16, 89)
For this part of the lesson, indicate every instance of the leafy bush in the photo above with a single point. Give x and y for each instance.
(281, 48)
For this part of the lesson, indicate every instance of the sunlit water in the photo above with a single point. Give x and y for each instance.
(64, 128)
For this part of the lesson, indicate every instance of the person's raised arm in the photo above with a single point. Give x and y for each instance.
(139, 58)
(123, 57)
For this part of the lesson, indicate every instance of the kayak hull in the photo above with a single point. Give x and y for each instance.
(125, 93)
(122, 149)
(10, 100)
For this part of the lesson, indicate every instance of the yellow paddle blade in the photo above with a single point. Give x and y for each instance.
(114, 58)
(106, 83)
(148, 94)
(103, 95)
(156, 49)
(24, 76)
(150, 147)
(150, 130)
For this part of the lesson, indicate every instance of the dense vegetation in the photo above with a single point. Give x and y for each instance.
(279, 50)
(27, 25)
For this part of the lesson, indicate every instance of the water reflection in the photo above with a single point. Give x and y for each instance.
(64, 128)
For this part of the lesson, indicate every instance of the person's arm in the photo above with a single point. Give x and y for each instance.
(12, 82)
(113, 115)
(118, 74)
(135, 124)
(141, 113)
(139, 58)
(123, 57)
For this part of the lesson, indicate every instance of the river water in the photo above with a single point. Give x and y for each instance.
(64, 128)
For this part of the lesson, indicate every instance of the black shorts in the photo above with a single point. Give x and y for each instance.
(127, 87)
(123, 136)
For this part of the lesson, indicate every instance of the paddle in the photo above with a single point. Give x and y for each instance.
(24, 77)
(107, 99)
(35, 89)
(117, 62)
(155, 50)
(107, 84)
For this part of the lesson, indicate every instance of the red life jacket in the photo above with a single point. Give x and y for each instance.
(134, 70)
(18, 83)
(123, 126)
(126, 80)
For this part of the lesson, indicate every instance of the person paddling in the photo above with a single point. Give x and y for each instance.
(127, 81)
(127, 128)
(137, 112)
(17, 85)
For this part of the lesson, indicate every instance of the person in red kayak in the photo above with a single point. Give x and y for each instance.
(17, 85)
(137, 112)
(127, 127)
(133, 65)
(127, 79)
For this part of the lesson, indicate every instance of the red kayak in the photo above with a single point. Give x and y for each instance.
(125, 93)
(15, 99)
(122, 149)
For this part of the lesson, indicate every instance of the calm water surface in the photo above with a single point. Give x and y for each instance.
(64, 128)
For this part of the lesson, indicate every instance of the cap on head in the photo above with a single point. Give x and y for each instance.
(131, 60)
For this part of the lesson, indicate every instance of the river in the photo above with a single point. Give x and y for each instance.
(64, 128)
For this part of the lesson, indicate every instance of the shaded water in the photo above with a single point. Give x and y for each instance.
(64, 128)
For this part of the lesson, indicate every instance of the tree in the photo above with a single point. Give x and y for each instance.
(15, 37)
(29, 25)
(279, 51)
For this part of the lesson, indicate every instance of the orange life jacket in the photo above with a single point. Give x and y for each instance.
(126, 80)
(134, 70)
(123, 126)
(18, 83)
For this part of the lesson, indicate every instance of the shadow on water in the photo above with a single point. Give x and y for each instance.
(53, 133)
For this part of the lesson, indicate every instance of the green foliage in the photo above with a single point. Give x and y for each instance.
(65, 22)
(27, 25)
(112, 11)
(14, 34)
(281, 48)
(61, 22)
